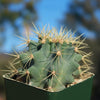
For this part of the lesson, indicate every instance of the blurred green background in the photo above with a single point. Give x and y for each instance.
(82, 16)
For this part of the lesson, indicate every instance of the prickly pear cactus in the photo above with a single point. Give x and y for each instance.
(53, 61)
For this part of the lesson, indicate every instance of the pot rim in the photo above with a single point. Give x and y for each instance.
(4, 76)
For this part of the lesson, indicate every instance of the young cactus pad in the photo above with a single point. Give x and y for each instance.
(53, 61)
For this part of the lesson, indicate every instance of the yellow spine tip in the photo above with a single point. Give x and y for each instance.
(73, 42)
(61, 41)
(76, 49)
(15, 71)
(18, 56)
(27, 72)
(55, 40)
(28, 41)
(39, 36)
(82, 58)
(79, 67)
(50, 40)
(49, 88)
(31, 56)
(45, 37)
(53, 72)
(43, 41)
(67, 41)
(58, 53)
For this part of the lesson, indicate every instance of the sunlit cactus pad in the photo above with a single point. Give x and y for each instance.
(53, 62)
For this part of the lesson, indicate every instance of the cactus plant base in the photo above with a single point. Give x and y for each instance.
(20, 91)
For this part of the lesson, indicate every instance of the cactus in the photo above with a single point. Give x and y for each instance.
(52, 62)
